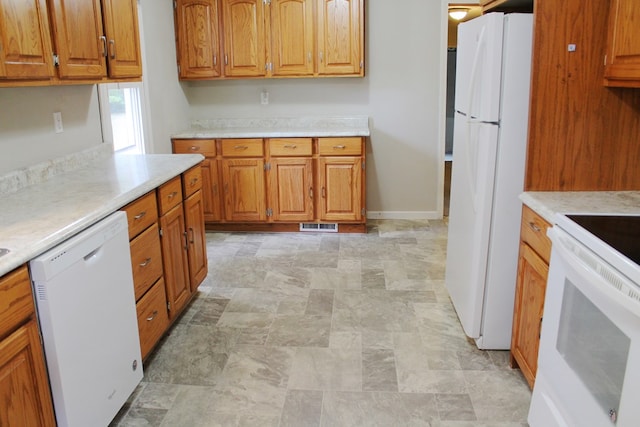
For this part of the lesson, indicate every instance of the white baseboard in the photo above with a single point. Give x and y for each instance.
(403, 215)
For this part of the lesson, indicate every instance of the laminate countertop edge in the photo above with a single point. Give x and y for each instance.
(549, 203)
(40, 216)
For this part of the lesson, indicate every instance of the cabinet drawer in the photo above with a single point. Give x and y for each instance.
(206, 147)
(16, 303)
(146, 260)
(192, 181)
(290, 147)
(141, 213)
(169, 195)
(340, 146)
(533, 231)
(251, 147)
(153, 318)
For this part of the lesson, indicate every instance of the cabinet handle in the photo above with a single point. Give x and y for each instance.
(534, 227)
(146, 262)
(226, 60)
(112, 46)
(291, 146)
(193, 181)
(194, 148)
(215, 60)
(172, 195)
(309, 57)
(104, 46)
(540, 329)
(324, 193)
(192, 239)
(153, 316)
(241, 147)
(311, 192)
(140, 215)
(321, 56)
(186, 241)
(339, 147)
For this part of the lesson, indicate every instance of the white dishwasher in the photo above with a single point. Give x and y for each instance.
(86, 310)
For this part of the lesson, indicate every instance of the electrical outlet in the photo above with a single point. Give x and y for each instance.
(264, 97)
(57, 122)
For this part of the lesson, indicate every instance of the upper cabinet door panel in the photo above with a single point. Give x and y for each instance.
(78, 38)
(25, 45)
(623, 50)
(292, 37)
(198, 32)
(121, 30)
(244, 38)
(340, 37)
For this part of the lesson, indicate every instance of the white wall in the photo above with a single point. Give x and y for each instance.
(27, 135)
(402, 94)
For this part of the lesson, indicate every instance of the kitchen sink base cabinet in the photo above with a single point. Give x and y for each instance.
(277, 184)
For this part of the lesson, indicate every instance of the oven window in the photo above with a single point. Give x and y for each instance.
(594, 347)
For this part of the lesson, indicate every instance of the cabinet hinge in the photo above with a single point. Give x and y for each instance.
(161, 233)
(268, 66)
(364, 211)
(56, 60)
(269, 212)
(267, 166)
(175, 4)
(605, 60)
(169, 306)
(361, 64)
(178, 69)
(266, 1)
(363, 164)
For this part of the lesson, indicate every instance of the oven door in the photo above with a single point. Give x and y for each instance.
(589, 358)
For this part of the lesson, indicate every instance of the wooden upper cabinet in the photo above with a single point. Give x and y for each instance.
(123, 38)
(244, 38)
(25, 45)
(340, 37)
(198, 31)
(80, 42)
(292, 50)
(623, 47)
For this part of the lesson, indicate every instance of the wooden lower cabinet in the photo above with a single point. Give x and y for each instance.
(531, 285)
(197, 244)
(153, 317)
(175, 260)
(340, 189)
(291, 189)
(244, 190)
(25, 399)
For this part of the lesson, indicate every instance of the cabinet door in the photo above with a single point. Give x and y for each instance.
(340, 37)
(25, 44)
(623, 51)
(175, 260)
(340, 179)
(79, 39)
(198, 30)
(529, 303)
(292, 37)
(24, 389)
(291, 189)
(194, 221)
(244, 192)
(211, 191)
(123, 38)
(244, 35)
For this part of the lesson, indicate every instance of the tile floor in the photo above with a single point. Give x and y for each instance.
(326, 330)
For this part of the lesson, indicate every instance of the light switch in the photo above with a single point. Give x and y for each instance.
(57, 122)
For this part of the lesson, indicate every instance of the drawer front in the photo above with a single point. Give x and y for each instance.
(340, 146)
(251, 147)
(170, 195)
(153, 318)
(192, 181)
(146, 260)
(206, 147)
(533, 231)
(141, 213)
(16, 303)
(290, 147)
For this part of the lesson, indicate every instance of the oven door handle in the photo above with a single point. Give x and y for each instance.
(597, 278)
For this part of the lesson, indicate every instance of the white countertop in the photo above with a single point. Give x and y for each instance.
(278, 127)
(42, 215)
(547, 204)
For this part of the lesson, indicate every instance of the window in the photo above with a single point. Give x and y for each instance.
(122, 116)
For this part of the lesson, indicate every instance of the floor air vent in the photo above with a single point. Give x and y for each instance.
(325, 228)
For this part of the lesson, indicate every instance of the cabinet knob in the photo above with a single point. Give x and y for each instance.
(140, 215)
(194, 148)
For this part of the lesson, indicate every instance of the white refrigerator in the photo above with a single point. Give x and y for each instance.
(490, 135)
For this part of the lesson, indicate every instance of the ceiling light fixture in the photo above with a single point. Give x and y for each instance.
(458, 13)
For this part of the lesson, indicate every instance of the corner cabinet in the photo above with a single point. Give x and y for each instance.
(622, 63)
(531, 285)
(25, 399)
(275, 184)
(269, 38)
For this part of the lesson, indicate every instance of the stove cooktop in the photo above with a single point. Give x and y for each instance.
(619, 231)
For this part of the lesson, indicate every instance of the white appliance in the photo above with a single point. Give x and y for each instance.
(589, 358)
(490, 137)
(87, 314)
